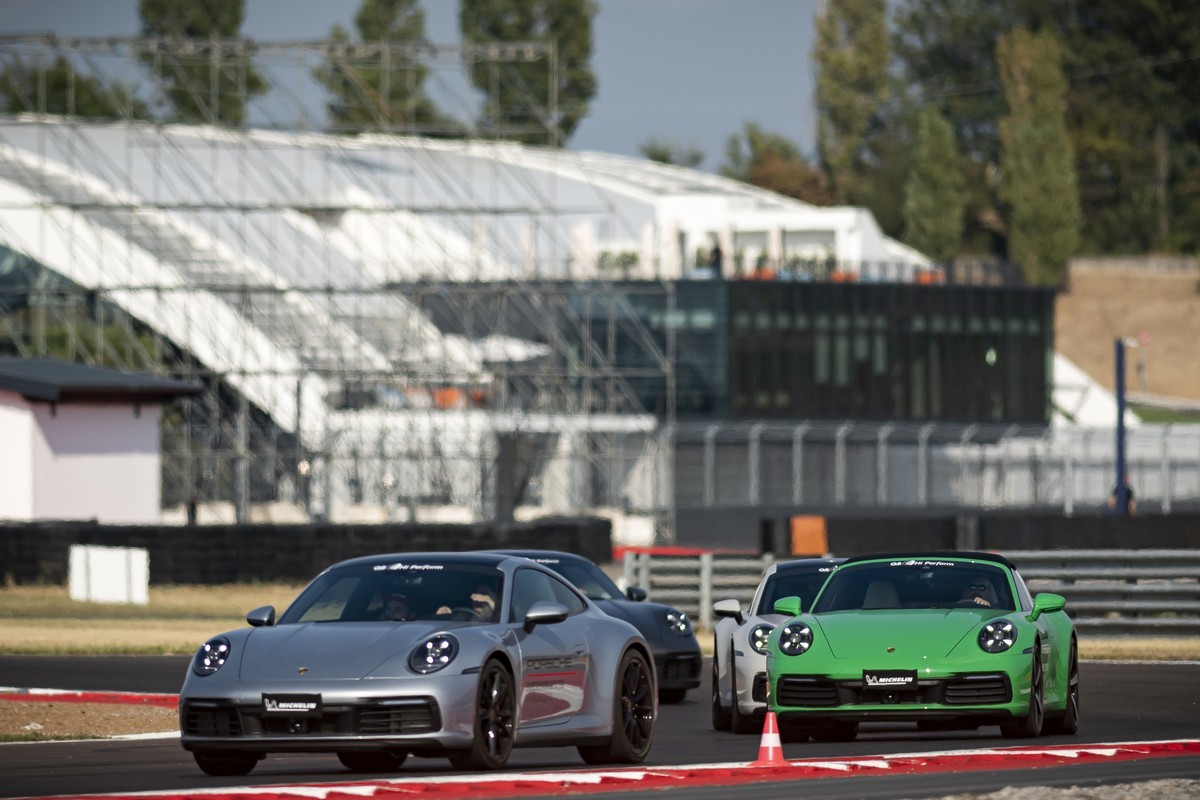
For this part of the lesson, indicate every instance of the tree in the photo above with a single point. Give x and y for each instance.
(934, 194)
(852, 55)
(672, 153)
(945, 51)
(212, 79)
(1135, 123)
(770, 161)
(881, 181)
(60, 89)
(1133, 115)
(539, 100)
(1037, 163)
(384, 89)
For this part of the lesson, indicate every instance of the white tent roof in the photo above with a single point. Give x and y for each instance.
(314, 226)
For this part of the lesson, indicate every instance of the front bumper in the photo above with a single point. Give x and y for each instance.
(391, 716)
(980, 695)
(678, 669)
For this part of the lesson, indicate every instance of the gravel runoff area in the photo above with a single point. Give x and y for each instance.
(1158, 790)
(47, 719)
(22, 720)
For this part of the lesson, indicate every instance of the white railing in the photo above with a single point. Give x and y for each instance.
(1109, 592)
(910, 466)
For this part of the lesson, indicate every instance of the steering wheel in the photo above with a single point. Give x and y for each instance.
(463, 614)
(971, 604)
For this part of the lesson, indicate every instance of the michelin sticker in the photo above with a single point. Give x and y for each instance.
(890, 679)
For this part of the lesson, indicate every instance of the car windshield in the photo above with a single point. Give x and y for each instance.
(586, 576)
(916, 583)
(794, 583)
(401, 592)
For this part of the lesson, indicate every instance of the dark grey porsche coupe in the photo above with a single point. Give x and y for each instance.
(668, 630)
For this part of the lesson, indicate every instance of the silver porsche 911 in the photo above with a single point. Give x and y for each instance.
(463, 655)
(739, 677)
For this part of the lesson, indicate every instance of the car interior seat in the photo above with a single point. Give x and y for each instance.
(881, 594)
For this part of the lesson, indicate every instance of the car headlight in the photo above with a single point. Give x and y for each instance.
(758, 638)
(997, 636)
(795, 639)
(433, 653)
(211, 656)
(678, 622)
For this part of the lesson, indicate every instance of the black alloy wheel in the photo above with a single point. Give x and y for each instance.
(633, 715)
(495, 721)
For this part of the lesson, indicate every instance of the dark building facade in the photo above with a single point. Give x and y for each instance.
(779, 349)
(870, 351)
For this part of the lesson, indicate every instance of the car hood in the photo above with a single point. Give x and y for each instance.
(931, 632)
(651, 621)
(332, 651)
(643, 616)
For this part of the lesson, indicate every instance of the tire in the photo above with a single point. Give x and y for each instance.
(495, 721)
(1030, 726)
(379, 761)
(739, 722)
(633, 715)
(835, 731)
(223, 763)
(671, 696)
(720, 714)
(1068, 723)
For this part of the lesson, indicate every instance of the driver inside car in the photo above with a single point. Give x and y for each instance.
(979, 590)
(395, 607)
(482, 602)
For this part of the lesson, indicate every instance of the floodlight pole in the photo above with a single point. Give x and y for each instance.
(1122, 491)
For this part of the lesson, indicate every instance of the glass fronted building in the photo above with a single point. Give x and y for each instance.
(754, 349)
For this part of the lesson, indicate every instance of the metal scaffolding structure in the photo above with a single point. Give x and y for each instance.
(389, 325)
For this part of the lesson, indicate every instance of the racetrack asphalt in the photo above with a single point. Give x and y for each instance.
(1121, 703)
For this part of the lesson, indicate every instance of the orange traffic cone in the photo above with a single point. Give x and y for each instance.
(770, 747)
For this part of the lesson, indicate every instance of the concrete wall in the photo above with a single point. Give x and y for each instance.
(216, 554)
(16, 457)
(79, 461)
(767, 530)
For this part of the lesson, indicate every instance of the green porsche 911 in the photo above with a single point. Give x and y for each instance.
(946, 640)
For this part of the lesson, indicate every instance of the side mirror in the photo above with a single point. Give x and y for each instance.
(789, 606)
(1047, 602)
(544, 612)
(730, 609)
(263, 616)
(636, 594)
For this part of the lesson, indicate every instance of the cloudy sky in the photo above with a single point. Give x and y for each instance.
(691, 72)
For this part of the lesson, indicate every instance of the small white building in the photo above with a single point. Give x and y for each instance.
(80, 442)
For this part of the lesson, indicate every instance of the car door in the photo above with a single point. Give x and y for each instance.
(1049, 638)
(554, 657)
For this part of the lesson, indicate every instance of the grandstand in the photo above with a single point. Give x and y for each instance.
(282, 268)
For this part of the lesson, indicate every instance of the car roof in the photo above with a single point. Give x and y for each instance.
(806, 563)
(959, 555)
(446, 557)
(536, 554)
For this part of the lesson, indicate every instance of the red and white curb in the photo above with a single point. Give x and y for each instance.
(64, 696)
(551, 784)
